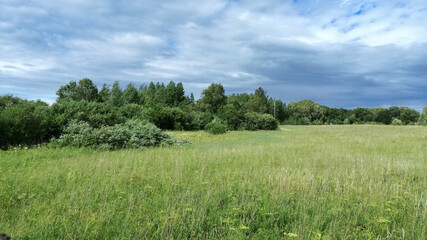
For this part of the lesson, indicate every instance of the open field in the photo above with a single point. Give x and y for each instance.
(308, 182)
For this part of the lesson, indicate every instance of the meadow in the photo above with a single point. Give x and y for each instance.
(299, 182)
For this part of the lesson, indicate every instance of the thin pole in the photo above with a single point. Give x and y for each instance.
(274, 109)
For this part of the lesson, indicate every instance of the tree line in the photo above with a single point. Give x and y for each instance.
(167, 107)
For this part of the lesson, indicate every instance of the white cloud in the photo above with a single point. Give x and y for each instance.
(310, 49)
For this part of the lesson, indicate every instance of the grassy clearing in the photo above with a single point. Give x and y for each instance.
(312, 182)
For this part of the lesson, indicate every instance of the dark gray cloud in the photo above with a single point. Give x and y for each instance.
(340, 53)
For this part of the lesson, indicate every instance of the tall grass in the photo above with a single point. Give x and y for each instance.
(311, 182)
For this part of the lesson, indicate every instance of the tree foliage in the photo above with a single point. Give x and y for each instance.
(305, 109)
(112, 109)
(214, 97)
(85, 90)
(216, 127)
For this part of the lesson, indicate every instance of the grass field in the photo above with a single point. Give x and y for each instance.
(311, 182)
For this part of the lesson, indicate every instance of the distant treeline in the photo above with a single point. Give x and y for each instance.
(33, 122)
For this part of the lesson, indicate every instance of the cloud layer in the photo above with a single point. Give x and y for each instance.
(339, 53)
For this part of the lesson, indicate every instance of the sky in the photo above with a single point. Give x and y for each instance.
(340, 53)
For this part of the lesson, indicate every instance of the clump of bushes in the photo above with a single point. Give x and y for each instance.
(397, 122)
(252, 121)
(216, 127)
(199, 120)
(131, 134)
(255, 121)
(317, 122)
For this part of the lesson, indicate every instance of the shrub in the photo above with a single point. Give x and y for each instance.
(216, 127)
(252, 121)
(290, 121)
(26, 123)
(132, 134)
(396, 121)
(339, 122)
(268, 122)
(232, 114)
(95, 113)
(408, 115)
(304, 121)
(255, 121)
(317, 122)
(200, 119)
(165, 117)
(373, 123)
(131, 110)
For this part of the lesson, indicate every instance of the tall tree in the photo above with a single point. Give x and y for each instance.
(257, 104)
(142, 92)
(116, 98)
(150, 94)
(408, 115)
(171, 94)
(423, 116)
(363, 115)
(191, 98)
(160, 96)
(305, 109)
(179, 93)
(87, 91)
(130, 94)
(262, 94)
(276, 108)
(105, 93)
(233, 113)
(214, 97)
(382, 115)
(68, 92)
(394, 112)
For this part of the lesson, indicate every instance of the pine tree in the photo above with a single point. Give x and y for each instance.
(171, 94)
(130, 94)
(116, 98)
(180, 93)
(105, 93)
(151, 93)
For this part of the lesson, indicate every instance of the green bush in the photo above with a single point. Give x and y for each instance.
(255, 121)
(317, 122)
(232, 114)
(304, 121)
(199, 120)
(132, 134)
(252, 121)
(339, 122)
(25, 122)
(423, 117)
(131, 110)
(95, 113)
(373, 123)
(268, 122)
(290, 121)
(216, 127)
(396, 121)
(171, 118)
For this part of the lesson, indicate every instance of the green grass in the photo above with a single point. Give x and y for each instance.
(311, 182)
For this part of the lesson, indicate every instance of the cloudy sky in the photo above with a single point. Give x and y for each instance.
(341, 53)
